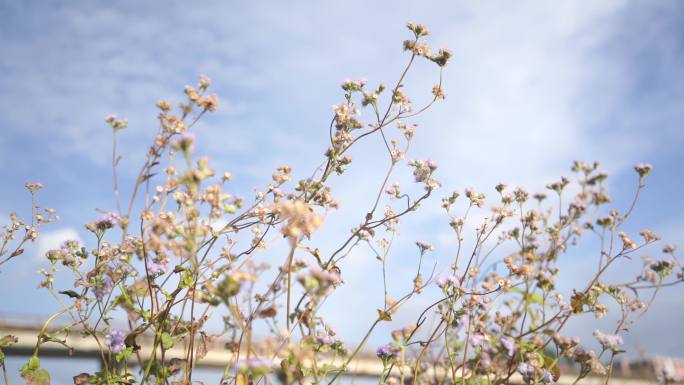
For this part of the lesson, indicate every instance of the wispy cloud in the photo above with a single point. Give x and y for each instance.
(532, 86)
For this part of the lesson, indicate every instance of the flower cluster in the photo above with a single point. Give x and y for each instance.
(188, 252)
(608, 341)
(114, 340)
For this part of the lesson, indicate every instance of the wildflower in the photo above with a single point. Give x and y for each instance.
(649, 236)
(184, 142)
(388, 352)
(114, 340)
(666, 376)
(301, 219)
(256, 365)
(106, 221)
(476, 339)
(663, 267)
(526, 371)
(456, 222)
(521, 195)
(163, 105)
(669, 249)
(423, 171)
(643, 169)
(103, 287)
(394, 190)
(442, 57)
(423, 247)
(608, 341)
(33, 186)
(627, 243)
(438, 93)
(508, 343)
(204, 82)
(324, 339)
(476, 198)
(418, 29)
(353, 85)
(443, 282)
(156, 268)
(402, 334)
(117, 124)
(317, 279)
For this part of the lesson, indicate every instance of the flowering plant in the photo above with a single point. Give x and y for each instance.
(184, 249)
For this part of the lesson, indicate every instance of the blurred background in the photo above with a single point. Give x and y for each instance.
(531, 87)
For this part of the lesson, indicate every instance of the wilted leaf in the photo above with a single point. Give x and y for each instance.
(175, 365)
(82, 379)
(269, 312)
(241, 379)
(384, 316)
(577, 302)
(70, 293)
(204, 345)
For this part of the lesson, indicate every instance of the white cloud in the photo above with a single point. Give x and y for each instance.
(532, 86)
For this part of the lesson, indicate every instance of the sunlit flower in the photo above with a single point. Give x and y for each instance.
(114, 340)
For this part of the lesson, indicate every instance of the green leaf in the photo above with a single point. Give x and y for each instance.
(32, 364)
(37, 377)
(32, 373)
(187, 280)
(124, 354)
(552, 365)
(534, 298)
(166, 340)
(229, 287)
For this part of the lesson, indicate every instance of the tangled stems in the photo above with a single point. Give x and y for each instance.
(195, 256)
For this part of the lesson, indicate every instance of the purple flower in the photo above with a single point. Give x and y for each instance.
(547, 377)
(666, 376)
(423, 247)
(107, 220)
(156, 268)
(255, 365)
(353, 85)
(70, 245)
(526, 371)
(446, 281)
(508, 343)
(387, 352)
(476, 339)
(485, 362)
(608, 341)
(114, 340)
(324, 339)
(102, 287)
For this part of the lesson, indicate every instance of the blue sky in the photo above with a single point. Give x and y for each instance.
(533, 85)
